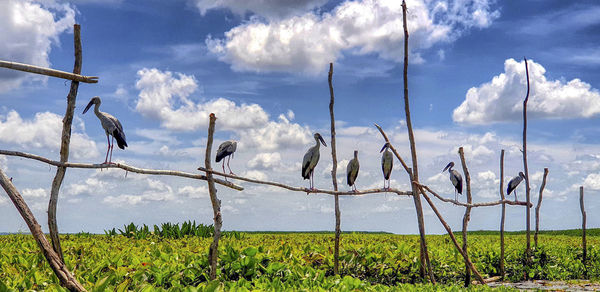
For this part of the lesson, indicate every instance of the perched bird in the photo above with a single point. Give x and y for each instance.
(455, 178)
(226, 149)
(111, 126)
(352, 171)
(311, 158)
(387, 162)
(513, 183)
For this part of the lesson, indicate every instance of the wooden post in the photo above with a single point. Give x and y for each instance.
(336, 253)
(65, 277)
(213, 252)
(525, 168)
(64, 146)
(414, 177)
(48, 72)
(537, 209)
(502, 273)
(467, 215)
(583, 240)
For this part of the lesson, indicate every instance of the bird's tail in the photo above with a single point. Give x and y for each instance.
(120, 137)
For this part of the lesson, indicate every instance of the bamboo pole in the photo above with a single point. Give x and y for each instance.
(526, 169)
(467, 215)
(63, 274)
(48, 72)
(118, 165)
(414, 175)
(537, 209)
(64, 146)
(213, 252)
(336, 252)
(583, 231)
(502, 272)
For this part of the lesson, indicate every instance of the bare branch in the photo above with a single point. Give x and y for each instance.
(467, 215)
(503, 214)
(525, 168)
(583, 231)
(119, 165)
(213, 253)
(537, 208)
(48, 72)
(473, 205)
(336, 252)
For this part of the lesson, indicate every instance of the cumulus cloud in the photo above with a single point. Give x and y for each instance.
(502, 98)
(265, 8)
(265, 161)
(43, 131)
(592, 182)
(34, 193)
(29, 28)
(165, 96)
(308, 42)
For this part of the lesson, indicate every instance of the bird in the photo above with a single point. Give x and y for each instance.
(387, 162)
(311, 158)
(226, 149)
(513, 183)
(111, 126)
(455, 178)
(352, 171)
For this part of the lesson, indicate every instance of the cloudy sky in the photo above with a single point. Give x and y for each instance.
(261, 66)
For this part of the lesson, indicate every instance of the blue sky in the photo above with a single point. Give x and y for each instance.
(261, 66)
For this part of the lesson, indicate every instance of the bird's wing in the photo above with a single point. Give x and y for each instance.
(116, 123)
(306, 162)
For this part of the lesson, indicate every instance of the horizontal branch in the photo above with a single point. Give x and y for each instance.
(48, 72)
(307, 190)
(121, 166)
(485, 204)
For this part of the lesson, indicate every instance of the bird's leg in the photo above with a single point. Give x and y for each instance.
(112, 144)
(515, 194)
(228, 159)
(224, 169)
(107, 149)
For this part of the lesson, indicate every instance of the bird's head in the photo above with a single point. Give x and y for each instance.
(356, 154)
(449, 166)
(318, 137)
(521, 174)
(94, 100)
(385, 146)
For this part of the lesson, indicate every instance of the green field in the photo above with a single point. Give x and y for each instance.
(286, 261)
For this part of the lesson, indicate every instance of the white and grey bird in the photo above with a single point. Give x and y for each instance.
(111, 126)
(513, 183)
(455, 178)
(226, 149)
(311, 158)
(387, 163)
(352, 171)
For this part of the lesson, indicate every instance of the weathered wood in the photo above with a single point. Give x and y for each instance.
(48, 72)
(467, 215)
(64, 146)
(525, 168)
(583, 231)
(537, 209)
(449, 230)
(336, 251)
(502, 272)
(414, 176)
(213, 252)
(65, 277)
(474, 205)
(119, 165)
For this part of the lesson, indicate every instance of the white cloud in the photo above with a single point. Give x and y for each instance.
(265, 161)
(193, 192)
(307, 43)
(34, 193)
(29, 28)
(265, 8)
(44, 131)
(592, 182)
(502, 98)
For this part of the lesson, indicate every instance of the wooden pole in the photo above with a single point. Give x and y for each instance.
(48, 72)
(64, 146)
(467, 215)
(525, 168)
(502, 272)
(213, 252)
(537, 209)
(414, 176)
(65, 277)
(583, 239)
(336, 253)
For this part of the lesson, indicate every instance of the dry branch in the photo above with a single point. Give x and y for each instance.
(525, 168)
(48, 72)
(65, 277)
(414, 174)
(119, 165)
(537, 208)
(583, 239)
(467, 215)
(336, 252)
(64, 146)
(213, 252)
(503, 214)
(473, 205)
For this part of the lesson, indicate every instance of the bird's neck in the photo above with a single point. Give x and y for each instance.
(318, 144)
(97, 109)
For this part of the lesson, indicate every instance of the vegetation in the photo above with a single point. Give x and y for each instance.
(177, 260)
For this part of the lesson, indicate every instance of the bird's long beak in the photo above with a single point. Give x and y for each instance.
(383, 148)
(322, 141)
(89, 105)
(447, 166)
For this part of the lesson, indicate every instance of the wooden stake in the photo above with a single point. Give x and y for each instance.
(48, 72)
(467, 215)
(502, 272)
(583, 239)
(213, 252)
(336, 253)
(537, 209)
(525, 168)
